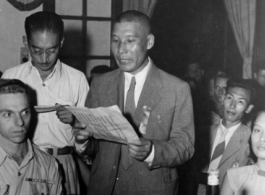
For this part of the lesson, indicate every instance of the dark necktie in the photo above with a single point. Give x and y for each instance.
(129, 110)
(218, 152)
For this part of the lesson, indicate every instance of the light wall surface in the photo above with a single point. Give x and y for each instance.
(11, 32)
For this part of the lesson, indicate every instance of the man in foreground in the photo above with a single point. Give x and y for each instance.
(147, 166)
(24, 169)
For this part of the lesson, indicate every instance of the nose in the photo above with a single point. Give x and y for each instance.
(44, 57)
(19, 121)
(233, 104)
(122, 47)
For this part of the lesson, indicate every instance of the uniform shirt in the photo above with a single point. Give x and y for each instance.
(38, 173)
(65, 85)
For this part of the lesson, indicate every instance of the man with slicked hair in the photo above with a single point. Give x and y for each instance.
(161, 113)
(55, 83)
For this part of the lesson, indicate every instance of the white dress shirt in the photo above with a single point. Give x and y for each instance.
(218, 136)
(140, 80)
(65, 85)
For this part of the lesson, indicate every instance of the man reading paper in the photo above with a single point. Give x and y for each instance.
(157, 104)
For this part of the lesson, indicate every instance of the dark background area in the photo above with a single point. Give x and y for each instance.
(194, 30)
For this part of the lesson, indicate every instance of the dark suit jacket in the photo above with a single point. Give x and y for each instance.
(237, 151)
(170, 127)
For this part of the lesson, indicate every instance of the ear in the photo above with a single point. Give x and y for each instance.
(25, 41)
(150, 41)
(255, 75)
(62, 42)
(250, 107)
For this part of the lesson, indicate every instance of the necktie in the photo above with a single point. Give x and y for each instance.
(130, 103)
(129, 111)
(218, 152)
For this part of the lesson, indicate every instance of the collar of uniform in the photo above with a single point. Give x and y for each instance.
(29, 155)
(56, 70)
(139, 77)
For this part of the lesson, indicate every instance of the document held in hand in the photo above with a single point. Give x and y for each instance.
(105, 123)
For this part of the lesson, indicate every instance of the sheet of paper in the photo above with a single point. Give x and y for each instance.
(46, 108)
(106, 123)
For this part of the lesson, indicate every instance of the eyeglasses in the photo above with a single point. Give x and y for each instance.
(49, 52)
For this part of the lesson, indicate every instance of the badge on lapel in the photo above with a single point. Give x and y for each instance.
(145, 116)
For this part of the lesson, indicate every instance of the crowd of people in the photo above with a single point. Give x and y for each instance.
(191, 126)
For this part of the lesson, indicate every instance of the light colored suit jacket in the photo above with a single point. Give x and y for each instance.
(237, 151)
(170, 127)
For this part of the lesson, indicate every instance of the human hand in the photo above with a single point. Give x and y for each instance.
(64, 115)
(80, 134)
(140, 149)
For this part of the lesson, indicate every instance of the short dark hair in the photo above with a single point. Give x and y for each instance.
(260, 65)
(135, 16)
(244, 84)
(13, 86)
(44, 21)
(221, 76)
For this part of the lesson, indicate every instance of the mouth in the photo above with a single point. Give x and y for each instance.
(230, 113)
(262, 148)
(20, 132)
(124, 61)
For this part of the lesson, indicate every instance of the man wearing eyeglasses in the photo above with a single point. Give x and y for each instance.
(54, 83)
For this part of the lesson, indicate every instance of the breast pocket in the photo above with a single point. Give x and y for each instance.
(39, 186)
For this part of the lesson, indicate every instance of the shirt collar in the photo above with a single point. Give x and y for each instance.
(57, 68)
(231, 128)
(30, 154)
(140, 77)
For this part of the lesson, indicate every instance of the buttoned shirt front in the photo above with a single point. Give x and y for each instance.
(38, 173)
(66, 86)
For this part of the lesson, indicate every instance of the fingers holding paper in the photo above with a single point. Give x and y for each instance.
(140, 149)
(64, 115)
(81, 135)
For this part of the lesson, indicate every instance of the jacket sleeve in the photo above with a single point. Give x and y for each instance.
(179, 146)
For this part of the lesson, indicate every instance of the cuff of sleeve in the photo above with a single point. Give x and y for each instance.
(150, 157)
(81, 147)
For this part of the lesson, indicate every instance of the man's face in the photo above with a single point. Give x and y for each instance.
(130, 42)
(14, 118)
(258, 137)
(260, 77)
(220, 89)
(194, 71)
(236, 102)
(44, 48)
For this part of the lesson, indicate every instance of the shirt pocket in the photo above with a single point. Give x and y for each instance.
(40, 186)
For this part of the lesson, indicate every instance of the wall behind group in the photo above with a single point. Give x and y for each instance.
(12, 30)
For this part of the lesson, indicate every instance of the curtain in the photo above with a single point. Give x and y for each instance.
(145, 6)
(242, 16)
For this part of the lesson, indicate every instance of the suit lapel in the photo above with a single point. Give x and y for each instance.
(150, 93)
(232, 146)
(115, 91)
(213, 133)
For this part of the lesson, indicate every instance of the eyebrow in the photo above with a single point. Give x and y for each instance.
(8, 110)
(256, 125)
(53, 47)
